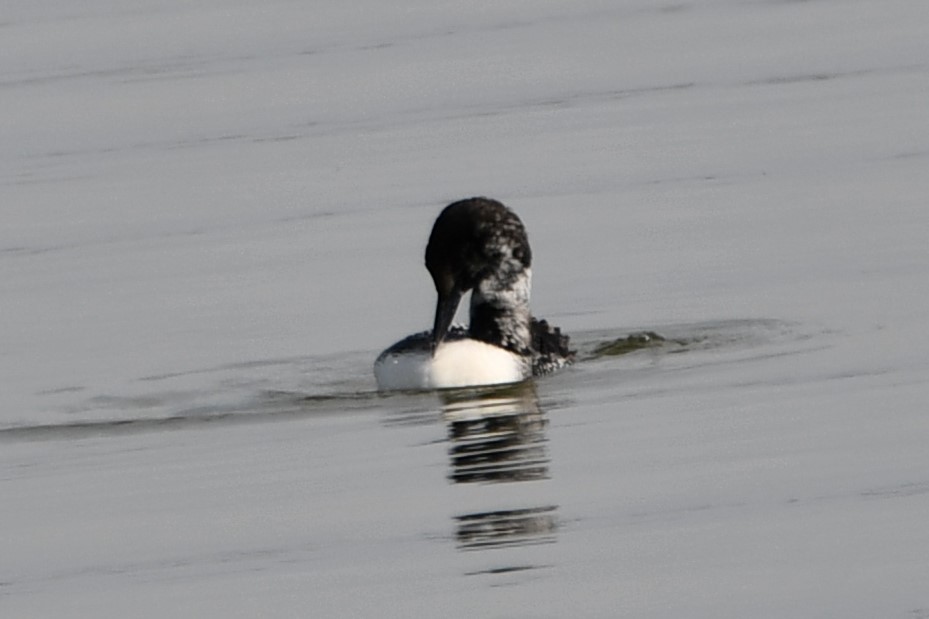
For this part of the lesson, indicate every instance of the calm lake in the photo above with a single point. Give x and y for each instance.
(214, 218)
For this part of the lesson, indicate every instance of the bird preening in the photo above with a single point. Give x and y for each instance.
(477, 245)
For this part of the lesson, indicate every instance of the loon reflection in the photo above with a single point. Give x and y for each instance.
(510, 527)
(498, 436)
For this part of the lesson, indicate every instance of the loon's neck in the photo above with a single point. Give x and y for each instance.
(500, 312)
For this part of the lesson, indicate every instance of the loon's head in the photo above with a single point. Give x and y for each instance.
(481, 244)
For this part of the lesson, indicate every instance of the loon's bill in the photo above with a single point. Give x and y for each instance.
(479, 245)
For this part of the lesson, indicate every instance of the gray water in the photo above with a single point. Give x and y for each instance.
(214, 219)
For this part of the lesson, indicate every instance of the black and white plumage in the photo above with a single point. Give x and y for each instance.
(478, 245)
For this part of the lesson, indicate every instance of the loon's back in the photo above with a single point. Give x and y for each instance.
(551, 350)
(459, 361)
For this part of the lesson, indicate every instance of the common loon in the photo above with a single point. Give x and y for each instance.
(480, 245)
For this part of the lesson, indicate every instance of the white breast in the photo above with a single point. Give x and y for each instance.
(459, 363)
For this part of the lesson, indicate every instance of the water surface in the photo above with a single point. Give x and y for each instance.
(214, 219)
